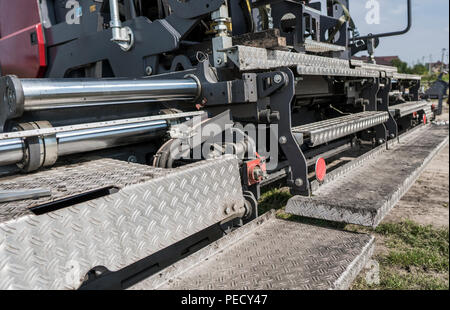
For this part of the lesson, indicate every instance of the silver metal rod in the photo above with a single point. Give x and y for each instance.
(43, 94)
(115, 18)
(11, 151)
(87, 140)
(14, 195)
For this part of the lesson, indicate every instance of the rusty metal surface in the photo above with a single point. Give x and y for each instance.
(270, 253)
(55, 250)
(365, 194)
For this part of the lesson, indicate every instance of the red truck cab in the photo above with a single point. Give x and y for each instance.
(22, 40)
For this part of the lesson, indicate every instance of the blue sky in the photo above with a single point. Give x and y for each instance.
(428, 35)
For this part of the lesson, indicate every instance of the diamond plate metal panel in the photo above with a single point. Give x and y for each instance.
(69, 180)
(404, 76)
(359, 63)
(407, 108)
(248, 58)
(341, 171)
(328, 130)
(365, 195)
(309, 70)
(56, 250)
(271, 254)
(321, 47)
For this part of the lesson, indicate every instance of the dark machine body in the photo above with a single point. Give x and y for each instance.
(66, 63)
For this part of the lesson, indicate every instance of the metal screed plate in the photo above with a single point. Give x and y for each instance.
(252, 58)
(55, 250)
(367, 193)
(248, 58)
(321, 47)
(270, 253)
(332, 129)
(407, 108)
(66, 181)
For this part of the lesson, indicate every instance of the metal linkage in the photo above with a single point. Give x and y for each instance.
(328, 130)
(281, 93)
(123, 36)
(391, 127)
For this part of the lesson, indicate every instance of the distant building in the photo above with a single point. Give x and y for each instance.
(436, 66)
(382, 60)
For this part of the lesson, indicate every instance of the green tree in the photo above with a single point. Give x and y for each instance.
(419, 69)
(401, 66)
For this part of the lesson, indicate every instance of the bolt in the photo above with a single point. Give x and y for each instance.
(282, 140)
(219, 61)
(149, 70)
(298, 182)
(227, 211)
(132, 159)
(257, 172)
(392, 136)
(277, 78)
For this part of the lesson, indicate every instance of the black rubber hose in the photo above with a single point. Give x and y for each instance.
(247, 9)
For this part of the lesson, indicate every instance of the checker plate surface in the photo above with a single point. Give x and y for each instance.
(55, 250)
(367, 193)
(332, 129)
(252, 58)
(270, 253)
(409, 107)
(74, 179)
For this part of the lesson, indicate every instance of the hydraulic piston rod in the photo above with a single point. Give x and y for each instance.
(41, 94)
(39, 148)
(21, 95)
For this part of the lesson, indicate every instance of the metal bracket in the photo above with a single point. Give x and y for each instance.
(370, 93)
(383, 94)
(281, 101)
(270, 82)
